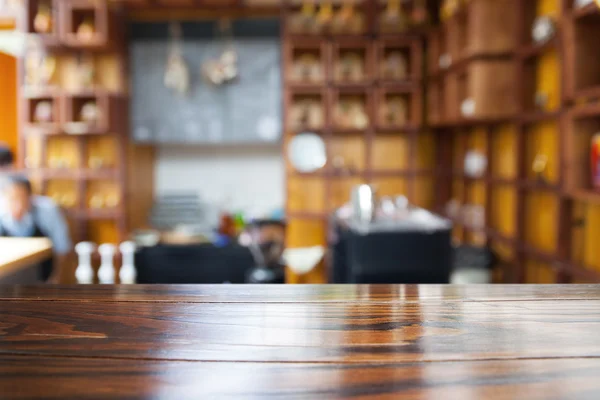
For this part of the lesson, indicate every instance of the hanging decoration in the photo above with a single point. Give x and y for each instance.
(225, 68)
(177, 75)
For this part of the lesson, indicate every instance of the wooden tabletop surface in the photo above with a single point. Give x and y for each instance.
(18, 253)
(300, 342)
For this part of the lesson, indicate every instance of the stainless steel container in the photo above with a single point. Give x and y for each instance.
(364, 202)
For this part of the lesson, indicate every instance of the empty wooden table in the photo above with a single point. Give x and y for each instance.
(305, 342)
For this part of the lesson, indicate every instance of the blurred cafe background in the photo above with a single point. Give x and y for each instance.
(299, 141)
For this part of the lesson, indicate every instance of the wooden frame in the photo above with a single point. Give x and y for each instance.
(570, 155)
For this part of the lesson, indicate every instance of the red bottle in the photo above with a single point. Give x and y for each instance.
(595, 161)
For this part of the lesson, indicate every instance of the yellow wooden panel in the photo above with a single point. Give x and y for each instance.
(390, 152)
(306, 194)
(477, 194)
(102, 194)
(103, 231)
(340, 191)
(305, 233)
(592, 235)
(350, 150)
(548, 7)
(457, 189)
(504, 159)
(391, 186)
(63, 192)
(62, 152)
(548, 78)
(541, 220)
(424, 192)
(543, 139)
(8, 101)
(425, 151)
(538, 272)
(478, 140)
(503, 209)
(33, 152)
(101, 152)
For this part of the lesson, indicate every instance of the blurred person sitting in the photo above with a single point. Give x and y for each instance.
(23, 214)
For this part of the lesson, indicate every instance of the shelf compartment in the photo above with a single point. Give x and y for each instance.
(43, 19)
(89, 112)
(64, 192)
(347, 154)
(504, 159)
(86, 24)
(43, 113)
(503, 209)
(582, 59)
(542, 154)
(350, 18)
(102, 195)
(307, 110)
(541, 222)
(580, 129)
(62, 154)
(398, 108)
(490, 27)
(488, 87)
(352, 110)
(353, 62)
(390, 152)
(399, 60)
(101, 153)
(397, 17)
(541, 91)
(307, 62)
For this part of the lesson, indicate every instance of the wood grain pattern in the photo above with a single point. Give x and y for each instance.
(75, 378)
(299, 294)
(306, 342)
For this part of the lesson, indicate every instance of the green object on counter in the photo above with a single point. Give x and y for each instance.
(239, 223)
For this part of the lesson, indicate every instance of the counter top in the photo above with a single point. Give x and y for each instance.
(329, 341)
(19, 253)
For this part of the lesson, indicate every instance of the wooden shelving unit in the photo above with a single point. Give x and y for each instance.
(77, 154)
(377, 72)
(541, 224)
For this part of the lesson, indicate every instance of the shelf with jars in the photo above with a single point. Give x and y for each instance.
(72, 23)
(398, 109)
(328, 17)
(352, 111)
(308, 62)
(74, 112)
